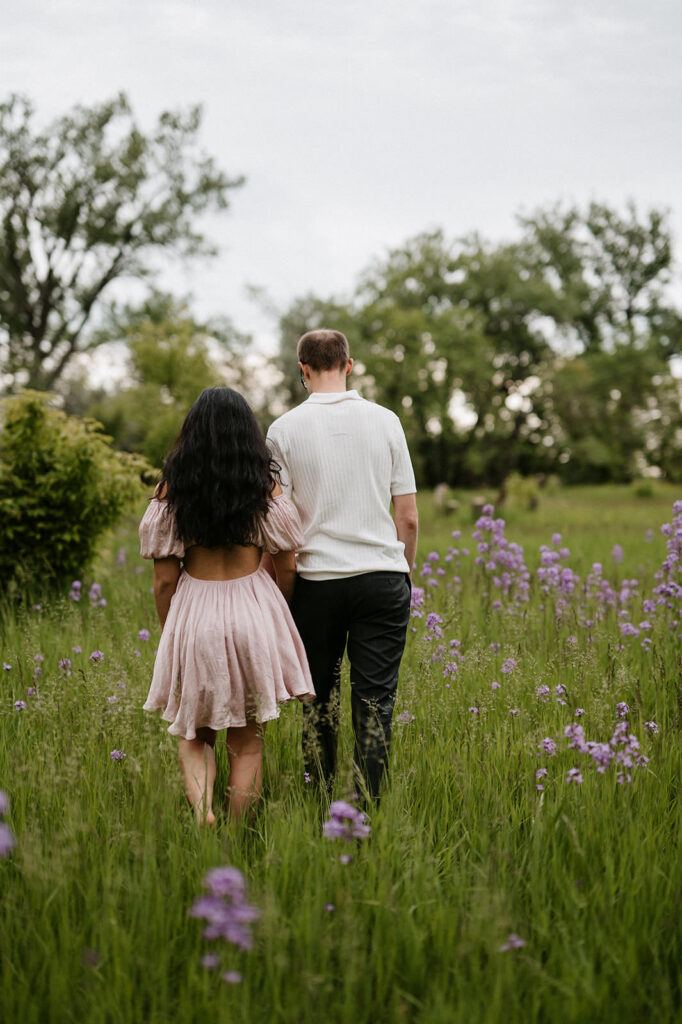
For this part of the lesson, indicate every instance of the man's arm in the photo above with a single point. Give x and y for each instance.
(406, 520)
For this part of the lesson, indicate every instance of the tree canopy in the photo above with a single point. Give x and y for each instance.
(550, 353)
(87, 200)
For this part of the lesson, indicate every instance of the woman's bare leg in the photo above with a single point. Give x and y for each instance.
(197, 764)
(245, 752)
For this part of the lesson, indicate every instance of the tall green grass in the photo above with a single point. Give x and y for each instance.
(464, 849)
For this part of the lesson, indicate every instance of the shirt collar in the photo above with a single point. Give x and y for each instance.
(322, 398)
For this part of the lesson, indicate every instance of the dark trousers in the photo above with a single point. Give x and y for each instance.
(369, 613)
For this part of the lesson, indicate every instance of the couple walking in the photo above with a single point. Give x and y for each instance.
(270, 558)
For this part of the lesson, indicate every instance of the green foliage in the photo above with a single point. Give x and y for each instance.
(550, 354)
(172, 357)
(85, 201)
(463, 851)
(61, 486)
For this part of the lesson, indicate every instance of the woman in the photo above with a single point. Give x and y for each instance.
(229, 650)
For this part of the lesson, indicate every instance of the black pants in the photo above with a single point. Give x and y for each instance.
(370, 613)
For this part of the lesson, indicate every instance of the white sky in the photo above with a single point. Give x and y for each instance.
(360, 124)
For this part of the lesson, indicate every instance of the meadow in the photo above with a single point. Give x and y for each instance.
(524, 864)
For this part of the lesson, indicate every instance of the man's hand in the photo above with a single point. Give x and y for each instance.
(406, 520)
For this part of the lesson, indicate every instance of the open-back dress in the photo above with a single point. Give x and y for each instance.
(229, 649)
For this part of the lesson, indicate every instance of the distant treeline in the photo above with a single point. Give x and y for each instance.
(552, 353)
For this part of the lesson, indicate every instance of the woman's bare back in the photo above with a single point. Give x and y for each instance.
(221, 563)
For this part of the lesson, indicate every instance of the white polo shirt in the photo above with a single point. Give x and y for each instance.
(343, 459)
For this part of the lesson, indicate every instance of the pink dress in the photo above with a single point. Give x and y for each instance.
(229, 648)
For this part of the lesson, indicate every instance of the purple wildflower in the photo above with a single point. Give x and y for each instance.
(232, 977)
(405, 717)
(617, 554)
(579, 712)
(574, 775)
(622, 710)
(542, 692)
(345, 822)
(97, 656)
(602, 755)
(20, 705)
(494, 685)
(514, 941)
(7, 840)
(345, 858)
(473, 710)
(329, 907)
(575, 734)
(6, 667)
(540, 773)
(75, 591)
(226, 909)
(95, 592)
(210, 961)
(121, 557)
(513, 712)
(417, 602)
(65, 665)
(651, 727)
(144, 635)
(434, 624)
(508, 665)
(117, 755)
(548, 746)
(4, 803)
(306, 777)
(77, 649)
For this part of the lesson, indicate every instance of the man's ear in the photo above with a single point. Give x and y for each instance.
(349, 367)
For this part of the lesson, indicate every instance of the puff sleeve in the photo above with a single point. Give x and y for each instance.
(158, 533)
(281, 529)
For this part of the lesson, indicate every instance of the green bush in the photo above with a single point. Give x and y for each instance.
(61, 486)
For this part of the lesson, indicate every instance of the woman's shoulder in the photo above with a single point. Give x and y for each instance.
(158, 530)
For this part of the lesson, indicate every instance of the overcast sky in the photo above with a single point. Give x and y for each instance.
(358, 124)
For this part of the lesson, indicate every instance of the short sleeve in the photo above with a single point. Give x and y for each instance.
(276, 446)
(281, 529)
(158, 533)
(402, 474)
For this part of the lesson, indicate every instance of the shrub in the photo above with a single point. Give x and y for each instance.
(61, 486)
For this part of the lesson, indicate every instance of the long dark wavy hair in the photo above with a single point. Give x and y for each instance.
(219, 474)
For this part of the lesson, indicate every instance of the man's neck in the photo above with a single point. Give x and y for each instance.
(327, 384)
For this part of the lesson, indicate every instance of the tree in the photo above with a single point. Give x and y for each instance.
(83, 203)
(550, 353)
(171, 357)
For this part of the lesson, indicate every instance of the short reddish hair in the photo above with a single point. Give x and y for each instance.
(323, 350)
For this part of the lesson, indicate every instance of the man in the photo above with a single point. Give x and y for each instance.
(344, 461)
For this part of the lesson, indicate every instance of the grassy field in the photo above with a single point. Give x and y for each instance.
(469, 847)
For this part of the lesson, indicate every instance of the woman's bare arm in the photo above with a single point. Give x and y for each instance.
(285, 573)
(166, 576)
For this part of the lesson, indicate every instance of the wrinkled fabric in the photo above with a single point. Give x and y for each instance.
(229, 649)
(159, 533)
(280, 530)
